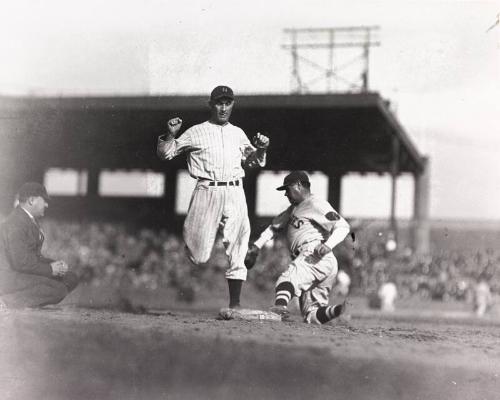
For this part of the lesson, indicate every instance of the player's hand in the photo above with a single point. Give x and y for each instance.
(260, 141)
(251, 257)
(59, 268)
(321, 249)
(174, 126)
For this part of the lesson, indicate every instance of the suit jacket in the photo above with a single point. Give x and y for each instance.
(21, 244)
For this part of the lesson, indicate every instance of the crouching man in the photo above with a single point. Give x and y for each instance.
(313, 228)
(27, 278)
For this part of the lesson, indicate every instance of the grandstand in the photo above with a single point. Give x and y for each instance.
(90, 136)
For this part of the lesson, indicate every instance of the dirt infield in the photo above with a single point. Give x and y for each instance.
(92, 354)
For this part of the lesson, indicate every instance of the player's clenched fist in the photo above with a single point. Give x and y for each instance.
(174, 125)
(251, 257)
(59, 268)
(260, 141)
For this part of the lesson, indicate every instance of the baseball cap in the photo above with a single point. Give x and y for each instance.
(32, 189)
(294, 177)
(222, 92)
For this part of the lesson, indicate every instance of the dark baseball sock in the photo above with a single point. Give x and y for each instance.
(325, 314)
(284, 293)
(234, 292)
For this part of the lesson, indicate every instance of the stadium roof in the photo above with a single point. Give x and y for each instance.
(330, 132)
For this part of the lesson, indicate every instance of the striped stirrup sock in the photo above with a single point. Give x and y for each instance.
(284, 293)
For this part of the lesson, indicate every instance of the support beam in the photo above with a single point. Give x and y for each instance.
(420, 223)
(394, 177)
(334, 190)
(89, 207)
(93, 182)
(169, 197)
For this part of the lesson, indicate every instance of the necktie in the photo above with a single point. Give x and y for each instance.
(41, 236)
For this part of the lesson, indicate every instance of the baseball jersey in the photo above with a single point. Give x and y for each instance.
(215, 152)
(311, 220)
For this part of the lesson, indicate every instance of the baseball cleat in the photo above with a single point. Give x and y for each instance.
(339, 309)
(226, 313)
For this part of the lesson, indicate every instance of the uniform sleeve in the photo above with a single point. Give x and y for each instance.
(330, 222)
(279, 223)
(251, 157)
(22, 257)
(325, 216)
(168, 147)
(335, 227)
(340, 231)
(281, 220)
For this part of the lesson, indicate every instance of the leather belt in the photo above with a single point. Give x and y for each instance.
(222, 183)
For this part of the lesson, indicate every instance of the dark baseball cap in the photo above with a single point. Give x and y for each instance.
(32, 189)
(294, 177)
(221, 92)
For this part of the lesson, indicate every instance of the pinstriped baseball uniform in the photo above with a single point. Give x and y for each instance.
(216, 153)
(308, 224)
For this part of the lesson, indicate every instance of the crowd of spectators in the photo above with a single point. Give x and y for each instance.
(114, 254)
(444, 274)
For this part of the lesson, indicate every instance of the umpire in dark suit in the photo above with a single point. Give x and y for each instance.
(27, 278)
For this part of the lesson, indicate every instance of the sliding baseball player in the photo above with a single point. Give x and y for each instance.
(313, 228)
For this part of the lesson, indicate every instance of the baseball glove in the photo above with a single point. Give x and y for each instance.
(251, 257)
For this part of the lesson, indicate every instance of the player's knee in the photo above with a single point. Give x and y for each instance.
(197, 259)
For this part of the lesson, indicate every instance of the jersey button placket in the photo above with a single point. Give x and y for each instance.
(223, 172)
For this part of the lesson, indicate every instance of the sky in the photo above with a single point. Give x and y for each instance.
(438, 63)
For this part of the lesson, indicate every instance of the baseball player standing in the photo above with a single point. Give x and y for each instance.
(217, 153)
(313, 229)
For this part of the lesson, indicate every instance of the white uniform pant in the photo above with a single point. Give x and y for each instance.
(312, 278)
(213, 209)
